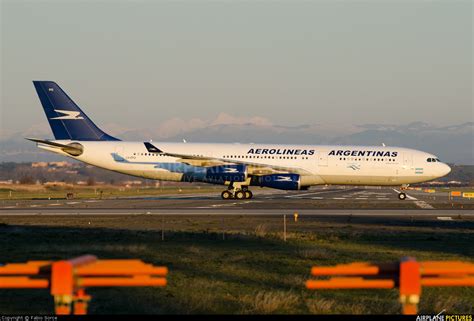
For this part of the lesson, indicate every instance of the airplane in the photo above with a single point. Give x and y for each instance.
(236, 166)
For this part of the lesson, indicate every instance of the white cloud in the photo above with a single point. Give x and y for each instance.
(227, 119)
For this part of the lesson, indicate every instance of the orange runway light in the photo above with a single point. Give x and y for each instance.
(349, 283)
(31, 267)
(408, 275)
(18, 282)
(68, 279)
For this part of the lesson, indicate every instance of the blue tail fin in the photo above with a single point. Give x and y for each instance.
(66, 119)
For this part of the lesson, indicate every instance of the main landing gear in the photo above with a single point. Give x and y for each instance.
(239, 194)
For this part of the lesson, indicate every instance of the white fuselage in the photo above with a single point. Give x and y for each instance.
(317, 164)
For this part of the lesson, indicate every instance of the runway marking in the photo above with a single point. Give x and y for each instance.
(419, 203)
(72, 203)
(54, 204)
(226, 204)
(433, 214)
(229, 204)
(423, 204)
(361, 198)
(445, 218)
(317, 193)
(338, 198)
(300, 195)
(382, 198)
(317, 198)
(408, 196)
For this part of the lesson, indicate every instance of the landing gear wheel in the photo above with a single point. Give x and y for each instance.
(402, 196)
(240, 195)
(248, 194)
(226, 195)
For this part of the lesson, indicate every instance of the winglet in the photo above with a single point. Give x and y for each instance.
(151, 148)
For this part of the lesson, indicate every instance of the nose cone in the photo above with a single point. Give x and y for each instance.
(445, 169)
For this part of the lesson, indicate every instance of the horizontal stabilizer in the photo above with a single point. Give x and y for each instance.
(74, 149)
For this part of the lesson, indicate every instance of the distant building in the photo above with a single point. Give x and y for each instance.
(60, 164)
(55, 183)
(135, 182)
(39, 164)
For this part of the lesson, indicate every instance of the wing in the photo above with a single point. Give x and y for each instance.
(205, 161)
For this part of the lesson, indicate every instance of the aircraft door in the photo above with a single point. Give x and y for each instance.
(322, 159)
(119, 151)
(407, 159)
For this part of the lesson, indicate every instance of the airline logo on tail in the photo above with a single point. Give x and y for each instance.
(68, 114)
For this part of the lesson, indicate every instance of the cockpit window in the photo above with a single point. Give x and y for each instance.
(437, 159)
(432, 160)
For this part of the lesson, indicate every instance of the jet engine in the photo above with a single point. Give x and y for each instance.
(278, 181)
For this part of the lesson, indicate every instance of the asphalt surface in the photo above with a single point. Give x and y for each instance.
(329, 201)
(438, 214)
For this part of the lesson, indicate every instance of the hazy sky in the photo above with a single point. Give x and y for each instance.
(138, 63)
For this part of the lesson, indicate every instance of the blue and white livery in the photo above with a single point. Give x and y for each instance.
(236, 166)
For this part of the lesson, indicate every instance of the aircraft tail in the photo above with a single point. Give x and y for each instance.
(66, 119)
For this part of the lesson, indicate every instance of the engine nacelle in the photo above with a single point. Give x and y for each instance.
(279, 181)
(223, 173)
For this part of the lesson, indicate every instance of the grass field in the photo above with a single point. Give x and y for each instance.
(236, 264)
(25, 192)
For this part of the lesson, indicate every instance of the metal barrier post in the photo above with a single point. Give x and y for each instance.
(63, 282)
(409, 285)
(81, 301)
(68, 279)
(62, 286)
(408, 276)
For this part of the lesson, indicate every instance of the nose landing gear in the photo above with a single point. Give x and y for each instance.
(402, 196)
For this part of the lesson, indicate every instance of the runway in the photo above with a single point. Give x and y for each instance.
(406, 213)
(376, 203)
